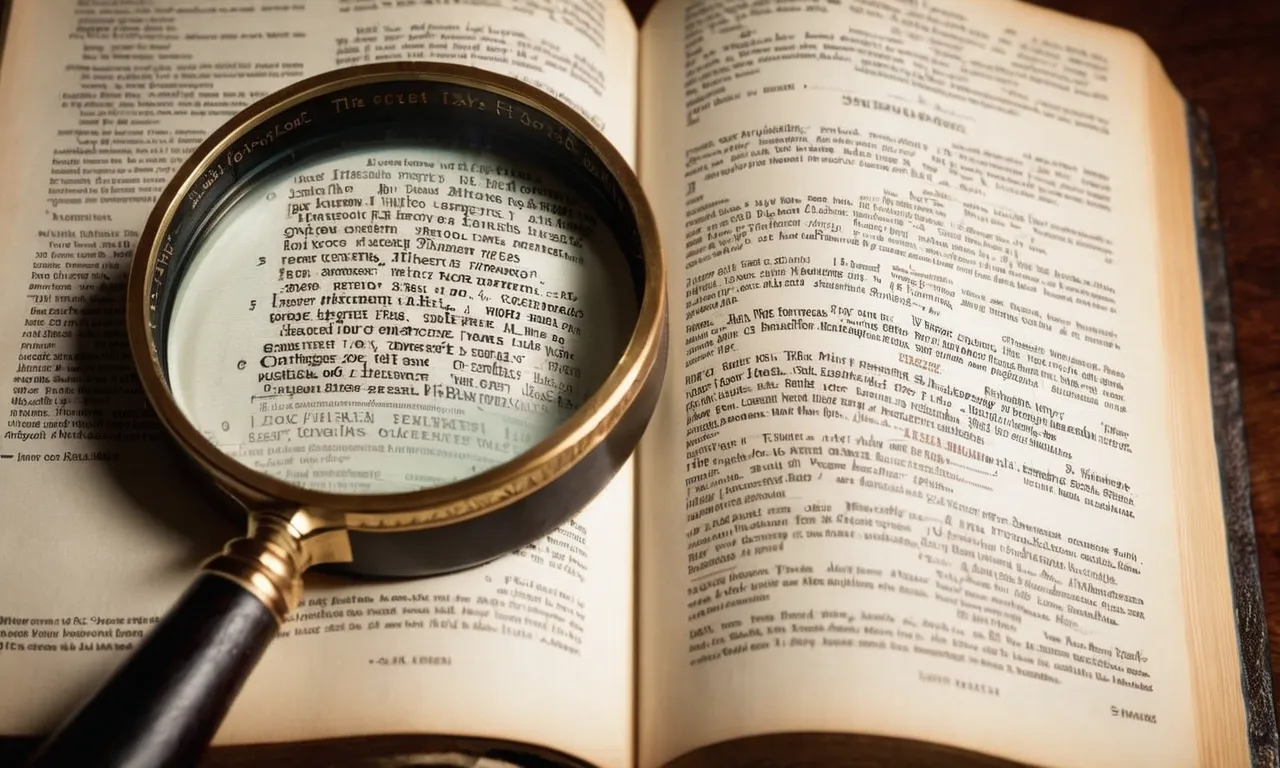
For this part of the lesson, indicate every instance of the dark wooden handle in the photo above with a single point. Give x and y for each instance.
(162, 707)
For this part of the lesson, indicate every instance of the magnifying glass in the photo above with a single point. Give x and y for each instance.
(410, 317)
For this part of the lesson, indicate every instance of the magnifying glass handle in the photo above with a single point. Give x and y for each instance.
(165, 703)
(162, 707)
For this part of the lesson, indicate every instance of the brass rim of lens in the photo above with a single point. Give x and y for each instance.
(474, 496)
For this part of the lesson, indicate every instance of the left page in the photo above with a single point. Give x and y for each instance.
(104, 527)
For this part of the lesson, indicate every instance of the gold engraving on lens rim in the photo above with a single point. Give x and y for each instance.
(634, 380)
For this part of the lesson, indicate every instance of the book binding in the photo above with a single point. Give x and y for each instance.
(1233, 459)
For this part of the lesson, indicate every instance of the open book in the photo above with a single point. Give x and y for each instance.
(947, 468)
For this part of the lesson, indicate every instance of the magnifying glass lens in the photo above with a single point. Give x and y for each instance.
(394, 317)
(411, 316)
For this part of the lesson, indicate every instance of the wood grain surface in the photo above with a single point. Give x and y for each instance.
(1224, 55)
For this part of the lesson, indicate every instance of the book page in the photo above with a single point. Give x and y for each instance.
(1193, 331)
(104, 526)
(925, 488)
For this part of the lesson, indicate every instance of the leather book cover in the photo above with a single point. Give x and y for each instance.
(1233, 459)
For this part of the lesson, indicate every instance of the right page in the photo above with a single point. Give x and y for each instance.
(920, 398)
